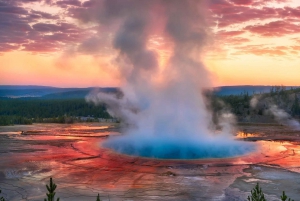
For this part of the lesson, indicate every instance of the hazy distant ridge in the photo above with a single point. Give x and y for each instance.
(46, 92)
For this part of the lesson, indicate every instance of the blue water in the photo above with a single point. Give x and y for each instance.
(164, 148)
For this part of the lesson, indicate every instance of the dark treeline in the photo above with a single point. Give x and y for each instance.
(286, 99)
(27, 111)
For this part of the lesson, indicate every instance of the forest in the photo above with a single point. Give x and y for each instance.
(285, 99)
(35, 110)
(28, 111)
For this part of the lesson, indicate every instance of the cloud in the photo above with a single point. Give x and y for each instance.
(12, 10)
(239, 23)
(274, 29)
(242, 2)
(21, 29)
(42, 15)
(66, 3)
(60, 27)
(232, 12)
(41, 47)
(231, 38)
(230, 15)
(229, 33)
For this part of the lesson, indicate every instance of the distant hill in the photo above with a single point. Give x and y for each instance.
(45, 92)
(17, 91)
(250, 89)
(78, 93)
(22, 87)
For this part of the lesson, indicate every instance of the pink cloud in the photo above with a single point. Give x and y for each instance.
(22, 27)
(276, 28)
(229, 33)
(242, 2)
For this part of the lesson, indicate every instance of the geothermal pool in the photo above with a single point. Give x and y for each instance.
(176, 148)
(81, 167)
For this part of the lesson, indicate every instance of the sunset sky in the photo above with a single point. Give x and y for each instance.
(54, 43)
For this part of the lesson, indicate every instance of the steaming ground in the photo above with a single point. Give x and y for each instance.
(176, 148)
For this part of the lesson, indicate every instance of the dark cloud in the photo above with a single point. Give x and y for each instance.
(288, 12)
(13, 10)
(66, 3)
(89, 3)
(242, 2)
(20, 29)
(43, 15)
(61, 27)
(228, 13)
(20, 25)
(13, 27)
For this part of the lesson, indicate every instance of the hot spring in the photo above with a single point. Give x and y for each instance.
(172, 148)
(158, 46)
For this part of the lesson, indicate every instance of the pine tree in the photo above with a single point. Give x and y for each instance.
(1, 198)
(284, 197)
(51, 189)
(257, 194)
(295, 107)
(98, 197)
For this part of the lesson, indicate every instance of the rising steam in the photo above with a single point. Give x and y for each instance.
(163, 102)
(284, 118)
(280, 115)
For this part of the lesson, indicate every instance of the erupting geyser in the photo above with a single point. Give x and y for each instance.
(159, 45)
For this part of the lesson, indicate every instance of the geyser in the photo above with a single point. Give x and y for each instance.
(159, 45)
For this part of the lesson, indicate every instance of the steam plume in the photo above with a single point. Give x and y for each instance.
(164, 103)
(280, 115)
(284, 118)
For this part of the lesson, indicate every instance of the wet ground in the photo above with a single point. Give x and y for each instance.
(73, 156)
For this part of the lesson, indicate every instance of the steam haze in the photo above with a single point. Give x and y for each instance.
(163, 102)
(280, 115)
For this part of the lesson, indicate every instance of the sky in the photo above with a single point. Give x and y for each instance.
(66, 43)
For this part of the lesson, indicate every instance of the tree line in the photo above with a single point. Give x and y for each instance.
(286, 99)
(27, 111)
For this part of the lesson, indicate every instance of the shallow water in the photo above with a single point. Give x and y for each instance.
(81, 167)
